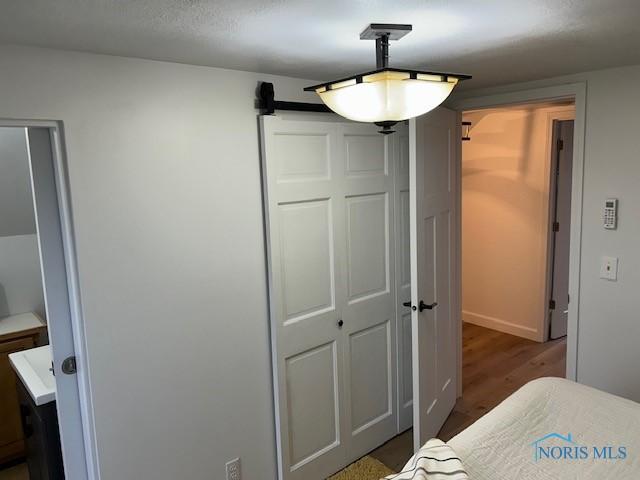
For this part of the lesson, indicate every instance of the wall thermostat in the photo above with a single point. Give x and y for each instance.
(611, 213)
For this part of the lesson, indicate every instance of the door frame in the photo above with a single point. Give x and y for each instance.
(73, 401)
(571, 91)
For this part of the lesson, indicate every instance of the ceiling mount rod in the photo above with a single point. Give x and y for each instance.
(382, 51)
(382, 33)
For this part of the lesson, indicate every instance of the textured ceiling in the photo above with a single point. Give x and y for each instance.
(497, 41)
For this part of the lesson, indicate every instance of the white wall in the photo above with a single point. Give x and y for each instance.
(609, 323)
(16, 203)
(165, 184)
(20, 279)
(505, 218)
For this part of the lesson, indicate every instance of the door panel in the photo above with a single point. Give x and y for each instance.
(312, 398)
(371, 376)
(329, 206)
(407, 391)
(367, 246)
(306, 259)
(365, 155)
(292, 167)
(433, 163)
(369, 312)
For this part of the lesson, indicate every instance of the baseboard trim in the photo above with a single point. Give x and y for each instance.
(501, 325)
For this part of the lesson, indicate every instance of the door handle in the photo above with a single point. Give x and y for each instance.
(408, 304)
(424, 306)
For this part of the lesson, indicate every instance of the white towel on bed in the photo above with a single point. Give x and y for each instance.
(434, 461)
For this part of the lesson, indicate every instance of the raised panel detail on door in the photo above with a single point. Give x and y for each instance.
(367, 245)
(445, 330)
(405, 257)
(306, 254)
(371, 376)
(302, 157)
(365, 155)
(312, 397)
(407, 384)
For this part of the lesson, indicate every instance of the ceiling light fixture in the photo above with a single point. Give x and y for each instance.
(386, 95)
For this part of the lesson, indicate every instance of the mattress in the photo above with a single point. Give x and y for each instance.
(554, 429)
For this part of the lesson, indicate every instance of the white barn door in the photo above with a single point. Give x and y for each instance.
(329, 209)
(433, 190)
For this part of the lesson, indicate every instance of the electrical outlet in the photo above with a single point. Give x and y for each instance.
(233, 469)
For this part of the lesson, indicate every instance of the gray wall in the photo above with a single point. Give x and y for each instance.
(16, 204)
(609, 323)
(20, 280)
(20, 276)
(165, 185)
(166, 195)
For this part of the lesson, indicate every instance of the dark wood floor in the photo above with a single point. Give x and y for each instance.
(494, 365)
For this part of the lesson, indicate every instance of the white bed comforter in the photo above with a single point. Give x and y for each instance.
(499, 445)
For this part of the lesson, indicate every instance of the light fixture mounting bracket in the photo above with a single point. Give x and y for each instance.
(394, 31)
(382, 33)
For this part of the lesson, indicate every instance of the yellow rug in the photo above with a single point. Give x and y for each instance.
(367, 468)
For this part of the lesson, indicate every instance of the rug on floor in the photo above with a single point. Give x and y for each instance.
(367, 468)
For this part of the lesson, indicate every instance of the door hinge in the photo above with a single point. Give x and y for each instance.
(552, 304)
(556, 226)
(560, 144)
(69, 366)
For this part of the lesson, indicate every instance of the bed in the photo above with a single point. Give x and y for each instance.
(560, 413)
(550, 429)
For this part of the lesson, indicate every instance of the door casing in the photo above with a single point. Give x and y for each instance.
(571, 91)
(54, 222)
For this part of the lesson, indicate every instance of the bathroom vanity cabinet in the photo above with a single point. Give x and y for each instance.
(42, 438)
(13, 338)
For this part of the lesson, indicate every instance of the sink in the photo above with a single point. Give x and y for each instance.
(33, 368)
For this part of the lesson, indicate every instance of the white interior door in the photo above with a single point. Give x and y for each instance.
(563, 131)
(399, 143)
(329, 209)
(433, 165)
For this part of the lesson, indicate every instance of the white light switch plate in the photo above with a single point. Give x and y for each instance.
(609, 268)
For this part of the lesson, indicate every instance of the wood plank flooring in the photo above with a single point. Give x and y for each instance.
(494, 365)
(18, 472)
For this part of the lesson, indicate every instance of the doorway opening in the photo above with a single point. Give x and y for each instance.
(515, 240)
(22, 307)
(41, 428)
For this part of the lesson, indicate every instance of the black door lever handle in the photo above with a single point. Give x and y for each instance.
(424, 306)
(408, 304)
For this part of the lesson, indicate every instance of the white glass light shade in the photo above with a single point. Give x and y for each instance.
(387, 96)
